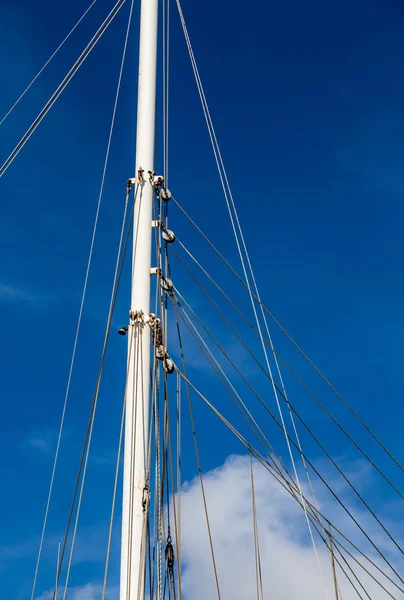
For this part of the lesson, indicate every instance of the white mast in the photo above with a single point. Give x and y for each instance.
(138, 385)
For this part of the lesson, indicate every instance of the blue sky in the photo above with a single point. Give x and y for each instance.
(307, 101)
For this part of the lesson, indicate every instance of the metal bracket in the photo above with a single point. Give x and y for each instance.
(136, 316)
(168, 236)
(166, 284)
(131, 181)
(155, 271)
(145, 498)
(157, 180)
(156, 223)
(165, 194)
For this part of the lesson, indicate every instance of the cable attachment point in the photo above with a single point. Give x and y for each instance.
(131, 181)
(155, 326)
(158, 181)
(164, 194)
(160, 352)
(159, 348)
(136, 316)
(140, 174)
(169, 554)
(167, 235)
(146, 498)
(168, 365)
(166, 284)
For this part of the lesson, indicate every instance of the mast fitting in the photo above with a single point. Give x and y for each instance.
(131, 181)
(160, 350)
(136, 316)
(165, 194)
(166, 283)
(146, 498)
(167, 235)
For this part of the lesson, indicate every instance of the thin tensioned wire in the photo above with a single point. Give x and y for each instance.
(328, 413)
(197, 456)
(295, 495)
(334, 571)
(178, 420)
(294, 412)
(160, 309)
(262, 460)
(234, 219)
(93, 406)
(295, 344)
(166, 83)
(118, 460)
(176, 508)
(162, 258)
(240, 404)
(223, 377)
(250, 448)
(258, 570)
(117, 274)
(66, 80)
(83, 296)
(305, 456)
(47, 63)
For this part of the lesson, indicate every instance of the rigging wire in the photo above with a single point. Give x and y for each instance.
(118, 459)
(131, 337)
(162, 258)
(248, 350)
(159, 473)
(233, 393)
(337, 543)
(317, 516)
(47, 62)
(335, 560)
(178, 420)
(42, 114)
(168, 468)
(322, 406)
(258, 570)
(231, 205)
(234, 219)
(166, 84)
(210, 360)
(262, 460)
(95, 397)
(176, 508)
(334, 571)
(191, 414)
(114, 292)
(83, 296)
(295, 445)
(270, 451)
(224, 179)
(284, 331)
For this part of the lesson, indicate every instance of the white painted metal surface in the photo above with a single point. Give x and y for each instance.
(138, 388)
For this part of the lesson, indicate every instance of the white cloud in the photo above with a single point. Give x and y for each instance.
(84, 592)
(11, 293)
(289, 567)
(41, 441)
